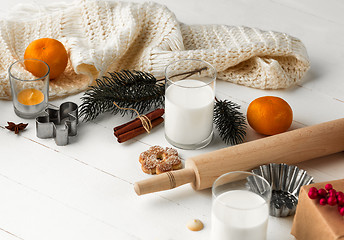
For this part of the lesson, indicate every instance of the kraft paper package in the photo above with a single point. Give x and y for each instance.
(313, 221)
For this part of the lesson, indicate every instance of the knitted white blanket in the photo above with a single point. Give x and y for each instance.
(109, 36)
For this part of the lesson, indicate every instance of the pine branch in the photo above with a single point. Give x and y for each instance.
(129, 89)
(229, 122)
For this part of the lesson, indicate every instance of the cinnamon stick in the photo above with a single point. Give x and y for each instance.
(137, 131)
(126, 127)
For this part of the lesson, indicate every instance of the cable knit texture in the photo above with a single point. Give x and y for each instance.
(105, 36)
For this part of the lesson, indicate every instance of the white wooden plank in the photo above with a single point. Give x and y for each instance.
(27, 214)
(6, 235)
(325, 168)
(330, 10)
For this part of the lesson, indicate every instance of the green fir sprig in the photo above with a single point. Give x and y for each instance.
(229, 121)
(128, 89)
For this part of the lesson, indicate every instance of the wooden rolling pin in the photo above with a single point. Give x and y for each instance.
(290, 147)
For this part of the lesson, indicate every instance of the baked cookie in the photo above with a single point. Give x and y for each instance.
(158, 160)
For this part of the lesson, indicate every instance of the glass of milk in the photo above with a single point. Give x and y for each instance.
(189, 103)
(240, 207)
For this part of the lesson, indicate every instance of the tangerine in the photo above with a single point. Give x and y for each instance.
(269, 115)
(50, 51)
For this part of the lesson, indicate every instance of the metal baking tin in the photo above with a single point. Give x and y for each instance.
(286, 181)
(58, 123)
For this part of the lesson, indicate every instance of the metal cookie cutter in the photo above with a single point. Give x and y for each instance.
(58, 124)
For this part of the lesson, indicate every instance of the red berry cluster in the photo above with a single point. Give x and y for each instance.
(328, 196)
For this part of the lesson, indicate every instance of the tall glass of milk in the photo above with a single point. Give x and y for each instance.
(189, 103)
(240, 207)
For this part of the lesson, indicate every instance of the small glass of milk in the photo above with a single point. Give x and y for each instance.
(240, 207)
(189, 103)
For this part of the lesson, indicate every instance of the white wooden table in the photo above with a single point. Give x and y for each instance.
(85, 190)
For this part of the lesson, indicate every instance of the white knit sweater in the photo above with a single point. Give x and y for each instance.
(109, 36)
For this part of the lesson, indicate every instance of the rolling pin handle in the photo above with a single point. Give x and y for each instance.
(165, 181)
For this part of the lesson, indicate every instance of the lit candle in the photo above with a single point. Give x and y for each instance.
(30, 96)
(29, 102)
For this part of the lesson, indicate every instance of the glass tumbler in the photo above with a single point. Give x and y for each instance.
(189, 103)
(240, 207)
(30, 92)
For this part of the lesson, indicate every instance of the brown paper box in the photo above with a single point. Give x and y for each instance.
(313, 221)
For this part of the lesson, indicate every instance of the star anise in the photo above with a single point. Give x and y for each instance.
(16, 127)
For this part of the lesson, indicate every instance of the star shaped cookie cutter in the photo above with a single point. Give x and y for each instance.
(58, 123)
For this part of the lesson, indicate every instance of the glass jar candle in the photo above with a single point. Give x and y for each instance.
(29, 93)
